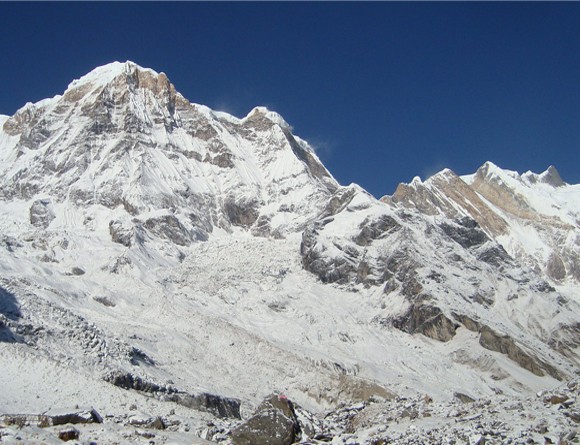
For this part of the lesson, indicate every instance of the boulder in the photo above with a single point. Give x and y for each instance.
(274, 423)
(41, 213)
(68, 434)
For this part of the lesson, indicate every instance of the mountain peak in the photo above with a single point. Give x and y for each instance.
(116, 79)
(491, 171)
(550, 177)
(122, 136)
(261, 112)
(104, 74)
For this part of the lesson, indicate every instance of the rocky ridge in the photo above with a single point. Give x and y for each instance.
(521, 211)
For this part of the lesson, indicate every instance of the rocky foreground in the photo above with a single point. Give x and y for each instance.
(551, 417)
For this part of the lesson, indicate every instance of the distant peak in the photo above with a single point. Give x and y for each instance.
(487, 168)
(446, 174)
(272, 116)
(490, 170)
(550, 177)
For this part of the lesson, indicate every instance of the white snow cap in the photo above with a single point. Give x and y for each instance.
(270, 115)
(102, 75)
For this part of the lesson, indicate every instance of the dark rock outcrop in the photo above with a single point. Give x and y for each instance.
(224, 407)
(371, 230)
(220, 406)
(170, 228)
(121, 233)
(493, 341)
(555, 267)
(274, 423)
(242, 213)
(427, 320)
(130, 381)
(465, 231)
(328, 268)
(494, 255)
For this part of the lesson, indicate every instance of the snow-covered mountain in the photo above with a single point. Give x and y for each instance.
(156, 255)
(534, 216)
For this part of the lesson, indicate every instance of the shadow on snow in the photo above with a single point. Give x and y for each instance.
(9, 311)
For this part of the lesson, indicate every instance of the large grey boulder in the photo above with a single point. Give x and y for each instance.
(274, 423)
(41, 213)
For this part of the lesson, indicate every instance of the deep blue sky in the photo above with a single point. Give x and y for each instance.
(385, 91)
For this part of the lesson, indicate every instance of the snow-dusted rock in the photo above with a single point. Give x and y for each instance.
(274, 423)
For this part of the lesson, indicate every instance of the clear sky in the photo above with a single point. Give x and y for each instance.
(384, 91)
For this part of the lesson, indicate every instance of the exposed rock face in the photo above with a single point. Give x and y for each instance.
(329, 270)
(447, 194)
(274, 423)
(220, 406)
(121, 233)
(169, 227)
(371, 230)
(466, 232)
(491, 340)
(555, 267)
(241, 212)
(426, 320)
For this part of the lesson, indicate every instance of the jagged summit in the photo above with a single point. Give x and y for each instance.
(489, 171)
(528, 210)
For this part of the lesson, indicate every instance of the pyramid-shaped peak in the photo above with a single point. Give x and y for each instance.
(551, 177)
(262, 112)
(444, 175)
